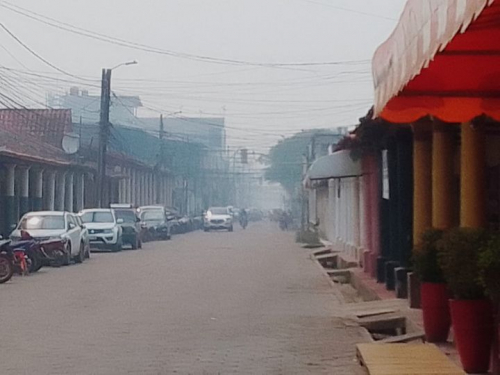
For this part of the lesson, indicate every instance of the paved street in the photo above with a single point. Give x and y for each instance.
(248, 302)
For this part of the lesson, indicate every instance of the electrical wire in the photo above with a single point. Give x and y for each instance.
(146, 48)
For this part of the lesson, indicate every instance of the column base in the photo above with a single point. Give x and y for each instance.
(37, 204)
(390, 279)
(10, 215)
(401, 277)
(24, 205)
(380, 269)
(366, 261)
(414, 291)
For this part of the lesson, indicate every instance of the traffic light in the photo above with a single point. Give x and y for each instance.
(244, 156)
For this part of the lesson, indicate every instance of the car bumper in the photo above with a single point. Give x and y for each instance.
(225, 225)
(103, 240)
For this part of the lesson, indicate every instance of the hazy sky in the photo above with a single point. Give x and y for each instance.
(261, 103)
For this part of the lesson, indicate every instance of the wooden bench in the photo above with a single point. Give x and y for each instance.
(407, 359)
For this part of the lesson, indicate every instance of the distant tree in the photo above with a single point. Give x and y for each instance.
(286, 159)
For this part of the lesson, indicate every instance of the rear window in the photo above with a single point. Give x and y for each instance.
(97, 217)
(152, 215)
(128, 216)
(43, 222)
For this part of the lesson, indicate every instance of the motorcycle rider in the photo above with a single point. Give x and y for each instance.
(243, 218)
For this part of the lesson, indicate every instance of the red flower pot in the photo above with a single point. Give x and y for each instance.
(435, 311)
(473, 329)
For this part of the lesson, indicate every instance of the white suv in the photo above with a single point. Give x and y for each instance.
(45, 225)
(218, 218)
(104, 229)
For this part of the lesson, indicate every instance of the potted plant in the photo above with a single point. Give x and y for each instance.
(489, 277)
(433, 290)
(471, 311)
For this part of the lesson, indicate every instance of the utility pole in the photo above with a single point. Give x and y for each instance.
(161, 162)
(104, 127)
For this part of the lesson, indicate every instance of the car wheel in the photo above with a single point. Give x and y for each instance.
(230, 229)
(118, 247)
(81, 254)
(206, 229)
(135, 243)
(67, 255)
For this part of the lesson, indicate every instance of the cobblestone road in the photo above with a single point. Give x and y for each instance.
(248, 302)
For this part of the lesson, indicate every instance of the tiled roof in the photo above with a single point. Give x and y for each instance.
(48, 125)
(29, 148)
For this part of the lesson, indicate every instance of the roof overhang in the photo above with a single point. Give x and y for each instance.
(443, 59)
(337, 165)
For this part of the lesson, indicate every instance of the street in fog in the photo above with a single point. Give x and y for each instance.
(247, 302)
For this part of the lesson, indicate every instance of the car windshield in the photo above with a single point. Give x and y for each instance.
(218, 211)
(127, 216)
(97, 217)
(152, 215)
(43, 222)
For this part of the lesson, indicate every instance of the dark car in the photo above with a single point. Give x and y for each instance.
(131, 226)
(154, 221)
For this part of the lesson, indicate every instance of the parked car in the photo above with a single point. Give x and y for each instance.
(132, 231)
(218, 218)
(154, 221)
(104, 228)
(46, 225)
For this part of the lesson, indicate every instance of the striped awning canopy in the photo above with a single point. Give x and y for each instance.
(337, 165)
(443, 59)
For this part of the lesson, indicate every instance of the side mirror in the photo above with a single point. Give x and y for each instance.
(137, 220)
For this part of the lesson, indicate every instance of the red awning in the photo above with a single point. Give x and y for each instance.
(443, 59)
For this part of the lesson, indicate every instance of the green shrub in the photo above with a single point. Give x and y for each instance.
(425, 257)
(459, 251)
(489, 267)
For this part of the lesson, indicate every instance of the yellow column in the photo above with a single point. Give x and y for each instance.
(422, 181)
(442, 176)
(472, 177)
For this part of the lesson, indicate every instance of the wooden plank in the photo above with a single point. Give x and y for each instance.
(403, 338)
(405, 359)
(367, 313)
(383, 322)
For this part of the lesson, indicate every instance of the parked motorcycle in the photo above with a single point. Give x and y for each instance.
(51, 252)
(6, 261)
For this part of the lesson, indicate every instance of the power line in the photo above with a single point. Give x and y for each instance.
(146, 48)
(350, 10)
(36, 54)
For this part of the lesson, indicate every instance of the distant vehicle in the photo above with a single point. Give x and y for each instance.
(218, 218)
(105, 231)
(155, 222)
(132, 231)
(46, 225)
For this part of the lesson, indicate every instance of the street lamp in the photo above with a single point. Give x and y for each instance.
(104, 129)
(125, 64)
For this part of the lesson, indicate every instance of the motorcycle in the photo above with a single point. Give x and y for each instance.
(52, 252)
(243, 222)
(6, 262)
(12, 260)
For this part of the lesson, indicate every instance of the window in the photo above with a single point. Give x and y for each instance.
(98, 217)
(43, 222)
(219, 211)
(128, 216)
(152, 215)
